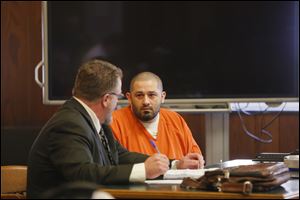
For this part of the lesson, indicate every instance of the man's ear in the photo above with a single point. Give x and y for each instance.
(105, 100)
(128, 97)
(163, 96)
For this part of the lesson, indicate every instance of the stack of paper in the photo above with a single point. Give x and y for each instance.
(183, 173)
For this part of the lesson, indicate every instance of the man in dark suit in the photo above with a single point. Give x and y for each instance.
(70, 148)
(76, 144)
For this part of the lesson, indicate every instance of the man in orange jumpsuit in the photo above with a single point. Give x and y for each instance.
(145, 127)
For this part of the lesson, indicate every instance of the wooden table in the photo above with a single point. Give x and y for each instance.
(287, 190)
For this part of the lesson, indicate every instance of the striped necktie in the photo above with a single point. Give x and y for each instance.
(106, 146)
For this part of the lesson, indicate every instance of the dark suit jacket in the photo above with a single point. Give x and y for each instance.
(68, 148)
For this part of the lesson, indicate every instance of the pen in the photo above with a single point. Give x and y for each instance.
(154, 146)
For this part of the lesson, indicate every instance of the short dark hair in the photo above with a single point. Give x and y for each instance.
(96, 78)
(146, 76)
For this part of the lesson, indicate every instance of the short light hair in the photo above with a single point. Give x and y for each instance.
(95, 78)
(145, 76)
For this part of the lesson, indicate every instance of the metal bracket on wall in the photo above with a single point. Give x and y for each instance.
(36, 74)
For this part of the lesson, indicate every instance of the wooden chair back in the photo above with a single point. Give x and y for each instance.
(13, 182)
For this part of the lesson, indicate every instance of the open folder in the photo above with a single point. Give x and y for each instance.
(175, 176)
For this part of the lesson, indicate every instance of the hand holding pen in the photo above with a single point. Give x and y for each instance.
(154, 146)
(156, 164)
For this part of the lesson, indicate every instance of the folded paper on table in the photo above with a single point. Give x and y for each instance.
(183, 173)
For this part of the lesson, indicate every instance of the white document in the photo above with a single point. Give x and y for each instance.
(171, 182)
(183, 173)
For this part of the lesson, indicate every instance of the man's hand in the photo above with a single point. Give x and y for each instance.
(191, 161)
(156, 165)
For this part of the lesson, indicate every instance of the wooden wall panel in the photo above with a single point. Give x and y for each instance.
(284, 130)
(196, 122)
(289, 132)
(21, 50)
(240, 145)
(273, 130)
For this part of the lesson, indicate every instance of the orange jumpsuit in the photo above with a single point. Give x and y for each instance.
(174, 138)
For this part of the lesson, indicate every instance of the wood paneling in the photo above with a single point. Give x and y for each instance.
(21, 50)
(284, 131)
(196, 122)
(289, 132)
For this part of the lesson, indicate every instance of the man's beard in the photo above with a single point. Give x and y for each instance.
(145, 116)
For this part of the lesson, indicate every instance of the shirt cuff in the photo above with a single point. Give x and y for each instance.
(138, 173)
(173, 164)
